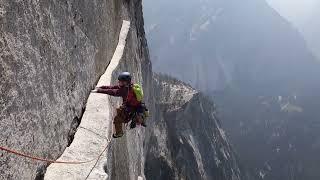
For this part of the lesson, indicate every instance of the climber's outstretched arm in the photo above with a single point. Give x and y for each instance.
(109, 87)
(110, 90)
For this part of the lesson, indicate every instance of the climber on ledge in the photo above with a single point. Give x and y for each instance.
(132, 108)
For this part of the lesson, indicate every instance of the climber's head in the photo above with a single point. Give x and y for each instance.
(124, 78)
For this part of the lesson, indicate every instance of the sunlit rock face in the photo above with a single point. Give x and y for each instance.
(51, 55)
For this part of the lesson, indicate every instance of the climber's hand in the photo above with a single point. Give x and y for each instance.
(94, 90)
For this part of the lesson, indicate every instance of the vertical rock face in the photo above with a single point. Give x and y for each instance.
(126, 158)
(187, 141)
(51, 55)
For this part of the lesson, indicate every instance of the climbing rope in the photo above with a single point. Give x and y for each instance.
(95, 164)
(51, 161)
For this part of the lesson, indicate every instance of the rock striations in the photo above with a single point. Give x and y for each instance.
(52, 53)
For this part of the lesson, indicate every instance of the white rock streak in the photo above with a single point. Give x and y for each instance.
(92, 135)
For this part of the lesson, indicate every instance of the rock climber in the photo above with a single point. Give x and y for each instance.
(132, 108)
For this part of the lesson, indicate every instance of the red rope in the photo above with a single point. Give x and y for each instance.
(48, 160)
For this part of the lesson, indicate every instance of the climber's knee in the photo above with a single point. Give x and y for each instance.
(120, 117)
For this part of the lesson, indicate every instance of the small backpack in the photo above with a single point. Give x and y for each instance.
(135, 96)
(138, 91)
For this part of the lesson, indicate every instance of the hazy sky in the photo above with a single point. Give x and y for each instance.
(296, 11)
(304, 15)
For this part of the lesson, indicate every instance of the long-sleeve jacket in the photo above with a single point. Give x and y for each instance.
(125, 92)
(118, 91)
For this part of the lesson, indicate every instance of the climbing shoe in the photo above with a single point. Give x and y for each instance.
(144, 124)
(133, 124)
(117, 135)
